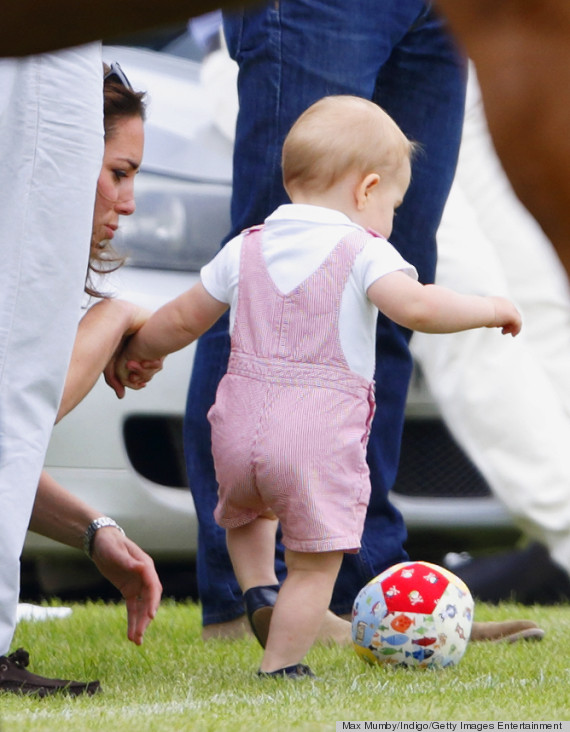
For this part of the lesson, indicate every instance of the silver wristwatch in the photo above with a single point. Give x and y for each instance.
(93, 528)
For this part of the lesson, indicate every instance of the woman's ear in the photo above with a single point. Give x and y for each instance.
(364, 189)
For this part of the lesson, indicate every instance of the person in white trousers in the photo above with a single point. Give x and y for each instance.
(508, 407)
(51, 147)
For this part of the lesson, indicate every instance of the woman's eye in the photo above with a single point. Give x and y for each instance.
(119, 174)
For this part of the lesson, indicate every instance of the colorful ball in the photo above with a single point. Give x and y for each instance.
(413, 614)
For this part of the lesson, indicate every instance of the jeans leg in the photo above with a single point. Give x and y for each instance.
(217, 587)
(290, 54)
(422, 86)
(219, 591)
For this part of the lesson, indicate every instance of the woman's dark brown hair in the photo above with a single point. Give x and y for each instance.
(120, 101)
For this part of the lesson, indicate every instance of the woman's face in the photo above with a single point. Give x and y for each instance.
(115, 187)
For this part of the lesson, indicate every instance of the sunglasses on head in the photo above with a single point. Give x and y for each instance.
(117, 72)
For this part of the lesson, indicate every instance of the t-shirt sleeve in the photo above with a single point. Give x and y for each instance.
(378, 258)
(220, 275)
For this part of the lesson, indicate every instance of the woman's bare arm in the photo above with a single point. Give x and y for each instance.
(63, 517)
(101, 331)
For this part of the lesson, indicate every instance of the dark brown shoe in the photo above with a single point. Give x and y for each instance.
(14, 677)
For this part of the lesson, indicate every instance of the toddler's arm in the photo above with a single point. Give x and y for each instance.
(172, 327)
(435, 309)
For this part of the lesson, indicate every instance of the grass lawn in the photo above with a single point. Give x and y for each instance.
(175, 681)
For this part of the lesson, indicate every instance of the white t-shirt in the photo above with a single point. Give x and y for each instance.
(296, 239)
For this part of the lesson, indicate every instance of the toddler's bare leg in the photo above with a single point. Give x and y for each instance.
(301, 606)
(252, 551)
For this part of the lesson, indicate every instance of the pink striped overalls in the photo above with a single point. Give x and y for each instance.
(291, 421)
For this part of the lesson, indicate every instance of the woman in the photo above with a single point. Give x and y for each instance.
(58, 514)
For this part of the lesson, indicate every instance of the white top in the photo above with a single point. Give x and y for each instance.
(296, 239)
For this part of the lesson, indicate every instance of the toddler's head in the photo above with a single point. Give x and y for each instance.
(339, 135)
(343, 137)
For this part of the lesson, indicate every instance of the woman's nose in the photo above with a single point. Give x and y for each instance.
(126, 207)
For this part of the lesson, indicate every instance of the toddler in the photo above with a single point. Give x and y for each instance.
(291, 419)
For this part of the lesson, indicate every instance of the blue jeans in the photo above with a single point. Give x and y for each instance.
(291, 53)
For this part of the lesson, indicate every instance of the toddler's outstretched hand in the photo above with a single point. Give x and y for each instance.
(507, 317)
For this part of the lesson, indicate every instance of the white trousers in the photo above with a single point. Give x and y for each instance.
(51, 146)
(506, 401)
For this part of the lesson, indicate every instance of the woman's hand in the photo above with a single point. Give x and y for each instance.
(115, 373)
(132, 572)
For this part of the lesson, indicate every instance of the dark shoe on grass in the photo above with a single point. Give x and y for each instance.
(298, 671)
(15, 678)
(259, 602)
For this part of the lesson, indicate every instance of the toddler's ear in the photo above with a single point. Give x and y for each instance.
(364, 188)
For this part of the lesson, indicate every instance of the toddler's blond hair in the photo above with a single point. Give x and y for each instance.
(339, 135)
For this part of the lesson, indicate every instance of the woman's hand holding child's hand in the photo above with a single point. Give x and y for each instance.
(138, 374)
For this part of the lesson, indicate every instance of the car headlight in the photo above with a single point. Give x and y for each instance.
(178, 224)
